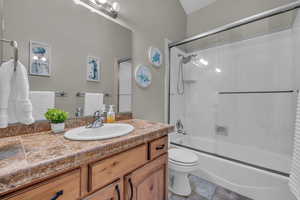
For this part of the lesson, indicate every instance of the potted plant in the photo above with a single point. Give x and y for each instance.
(57, 119)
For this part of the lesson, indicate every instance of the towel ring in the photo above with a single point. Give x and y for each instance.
(13, 44)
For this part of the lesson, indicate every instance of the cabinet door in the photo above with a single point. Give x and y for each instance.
(110, 192)
(148, 182)
(63, 187)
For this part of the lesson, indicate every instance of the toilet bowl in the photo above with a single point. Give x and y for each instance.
(181, 163)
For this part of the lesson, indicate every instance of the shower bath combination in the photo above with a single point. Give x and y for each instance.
(183, 61)
(233, 89)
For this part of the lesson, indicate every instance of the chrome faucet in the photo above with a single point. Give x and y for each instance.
(78, 112)
(180, 128)
(99, 120)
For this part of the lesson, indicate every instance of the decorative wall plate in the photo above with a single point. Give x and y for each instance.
(155, 56)
(143, 76)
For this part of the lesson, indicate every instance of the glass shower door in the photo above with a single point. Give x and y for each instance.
(239, 98)
(1, 30)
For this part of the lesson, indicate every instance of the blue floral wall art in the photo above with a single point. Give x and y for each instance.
(143, 76)
(155, 56)
(93, 68)
(40, 59)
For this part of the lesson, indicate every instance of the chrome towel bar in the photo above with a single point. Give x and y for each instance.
(82, 94)
(60, 94)
(13, 44)
(260, 92)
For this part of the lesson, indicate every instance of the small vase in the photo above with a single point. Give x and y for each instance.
(58, 128)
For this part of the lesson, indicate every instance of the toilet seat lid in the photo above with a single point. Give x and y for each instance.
(182, 156)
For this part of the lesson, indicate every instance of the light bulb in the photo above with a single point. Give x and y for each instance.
(204, 62)
(102, 1)
(116, 7)
(76, 1)
(44, 59)
(218, 70)
(35, 58)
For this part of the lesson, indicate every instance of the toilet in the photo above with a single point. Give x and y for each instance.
(181, 163)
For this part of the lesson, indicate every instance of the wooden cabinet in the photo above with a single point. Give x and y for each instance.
(148, 182)
(64, 187)
(139, 173)
(110, 192)
(158, 147)
(107, 170)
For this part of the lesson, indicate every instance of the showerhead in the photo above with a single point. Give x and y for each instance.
(183, 60)
(186, 59)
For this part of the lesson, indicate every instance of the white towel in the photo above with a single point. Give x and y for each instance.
(6, 72)
(295, 170)
(42, 101)
(15, 105)
(92, 103)
(23, 103)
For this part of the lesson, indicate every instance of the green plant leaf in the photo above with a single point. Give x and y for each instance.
(56, 116)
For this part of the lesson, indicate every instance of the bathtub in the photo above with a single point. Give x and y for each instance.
(248, 181)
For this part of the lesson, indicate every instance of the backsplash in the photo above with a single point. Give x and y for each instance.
(20, 129)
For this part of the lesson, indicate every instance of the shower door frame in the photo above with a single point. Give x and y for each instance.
(169, 45)
(1, 29)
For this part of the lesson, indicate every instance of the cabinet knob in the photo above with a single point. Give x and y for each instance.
(57, 195)
(160, 147)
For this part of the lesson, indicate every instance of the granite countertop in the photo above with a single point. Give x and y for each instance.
(28, 158)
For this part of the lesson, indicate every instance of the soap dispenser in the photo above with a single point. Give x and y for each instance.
(111, 115)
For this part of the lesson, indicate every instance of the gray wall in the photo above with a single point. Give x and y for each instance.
(223, 12)
(152, 21)
(1, 30)
(73, 32)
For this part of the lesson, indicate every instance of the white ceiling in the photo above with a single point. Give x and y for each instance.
(194, 5)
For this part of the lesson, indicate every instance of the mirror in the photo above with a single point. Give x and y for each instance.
(124, 85)
(1, 30)
(67, 48)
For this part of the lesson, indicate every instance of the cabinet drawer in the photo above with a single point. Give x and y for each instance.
(158, 147)
(64, 187)
(110, 192)
(106, 171)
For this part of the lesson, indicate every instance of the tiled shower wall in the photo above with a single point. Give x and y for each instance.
(259, 127)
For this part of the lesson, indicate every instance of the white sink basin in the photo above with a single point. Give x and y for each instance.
(105, 132)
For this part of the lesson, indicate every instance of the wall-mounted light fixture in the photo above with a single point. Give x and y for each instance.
(101, 6)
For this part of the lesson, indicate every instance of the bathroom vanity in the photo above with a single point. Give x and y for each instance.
(77, 61)
(46, 166)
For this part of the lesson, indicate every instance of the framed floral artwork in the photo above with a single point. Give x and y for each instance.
(40, 59)
(93, 69)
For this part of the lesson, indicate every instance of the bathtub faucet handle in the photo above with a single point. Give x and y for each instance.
(180, 128)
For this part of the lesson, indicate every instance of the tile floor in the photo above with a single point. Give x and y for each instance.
(204, 190)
